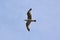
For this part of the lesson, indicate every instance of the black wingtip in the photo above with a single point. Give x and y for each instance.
(28, 29)
(30, 9)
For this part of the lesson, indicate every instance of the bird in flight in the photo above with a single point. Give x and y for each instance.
(29, 19)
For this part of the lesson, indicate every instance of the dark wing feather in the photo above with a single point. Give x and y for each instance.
(27, 25)
(29, 15)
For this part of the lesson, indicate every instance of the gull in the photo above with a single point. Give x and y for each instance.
(29, 19)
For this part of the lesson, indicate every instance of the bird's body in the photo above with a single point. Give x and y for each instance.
(29, 19)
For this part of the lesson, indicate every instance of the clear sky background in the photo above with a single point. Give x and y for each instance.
(13, 13)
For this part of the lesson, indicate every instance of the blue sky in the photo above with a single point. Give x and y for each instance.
(13, 14)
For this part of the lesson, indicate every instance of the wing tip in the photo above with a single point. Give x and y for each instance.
(30, 9)
(28, 29)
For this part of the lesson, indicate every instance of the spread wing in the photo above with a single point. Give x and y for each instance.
(29, 14)
(27, 25)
